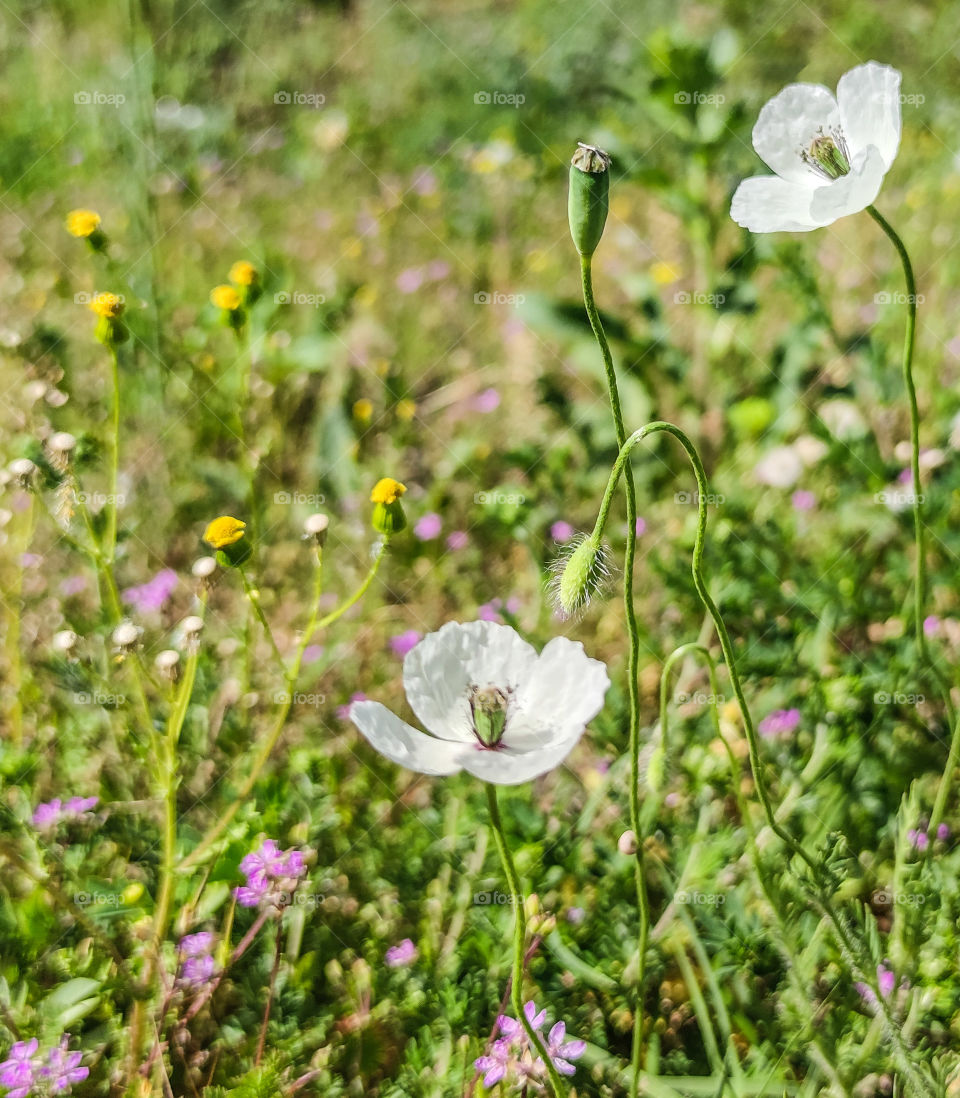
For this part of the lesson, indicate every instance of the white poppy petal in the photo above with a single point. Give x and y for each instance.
(786, 126)
(403, 744)
(439, 671)
(562, 693)
(869, 99)
(852, 192)
(769, 204)
(507, 766)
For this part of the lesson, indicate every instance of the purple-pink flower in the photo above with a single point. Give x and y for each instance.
(63, 1068)
(271, 873)
(401, 644)
(513, 1057)
(561, 531)
(19, 1071)
(803, 500)
(402, 954)
(50, 813)
(779, 723)
(25, 1073)
(428, 527)
(197, 965)
(153, 594)
(487, 401)
(458, 539)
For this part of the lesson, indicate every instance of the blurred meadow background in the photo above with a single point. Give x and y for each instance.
(396, 172)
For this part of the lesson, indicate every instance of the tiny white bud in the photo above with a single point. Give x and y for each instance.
(23, 469)
(65, 640)
(204, 567)
(126, 634)
(62, 442)
(316, 525)
(627, 843)
(167, 660)
(191, 625)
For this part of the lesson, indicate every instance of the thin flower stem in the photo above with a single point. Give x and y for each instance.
(290, 677)
(793, 967)
(109, 545)
(822, 899)
(519, 938)
(633, 662)
(920, 574)
(253, 597)
(169, 781)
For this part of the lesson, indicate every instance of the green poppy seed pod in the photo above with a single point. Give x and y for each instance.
(589, 197)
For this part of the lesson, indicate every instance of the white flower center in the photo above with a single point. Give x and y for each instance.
(827, 154)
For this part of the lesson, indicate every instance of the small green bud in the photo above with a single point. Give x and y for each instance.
(578, 574)
(589, 200)
(488, 708)
(388, 517)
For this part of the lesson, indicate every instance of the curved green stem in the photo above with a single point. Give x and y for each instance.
(519, 938)
(633, 663)
(821, 898)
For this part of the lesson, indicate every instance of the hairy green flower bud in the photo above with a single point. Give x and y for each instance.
(589, 197)
(578, 574)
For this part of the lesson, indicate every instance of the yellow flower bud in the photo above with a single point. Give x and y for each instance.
(225, 297)
(107, 305)
(388, 517)
(243, 273)
(224, 531)
(82, 223)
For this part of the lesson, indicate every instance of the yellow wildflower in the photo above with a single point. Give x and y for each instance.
(387, 490)
(107, 305)
(225, 297)
(224, 531)
(243, 273)
(82, 223)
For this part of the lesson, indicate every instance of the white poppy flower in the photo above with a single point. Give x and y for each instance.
(829, 154)
(492, 705)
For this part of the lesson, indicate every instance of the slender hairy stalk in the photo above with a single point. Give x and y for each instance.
(920, 575)
(633, 683)
(821, 897)
(169, 781)
(290, 679)
(253, 597)
(109, 545)
(519, 938)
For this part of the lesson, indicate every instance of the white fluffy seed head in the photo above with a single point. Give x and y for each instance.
(204, 567)
(62, 442)
(22, 468)
(315, 526)
(126, 634)
(65, 640)
(167, 660)
(192, 625)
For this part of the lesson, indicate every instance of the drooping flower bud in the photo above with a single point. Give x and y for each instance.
(388, 517)
(627, 843)
(578, 573)
(315, 528)
(589, 197)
